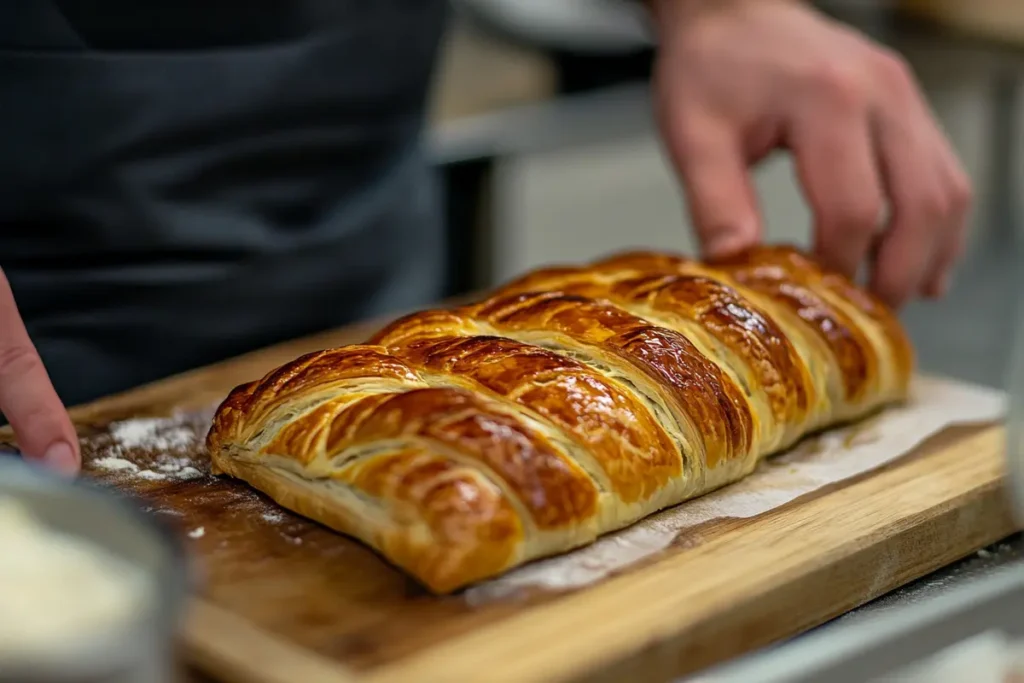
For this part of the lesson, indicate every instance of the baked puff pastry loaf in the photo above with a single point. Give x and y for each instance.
(569, 403)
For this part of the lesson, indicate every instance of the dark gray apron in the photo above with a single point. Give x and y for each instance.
(186, 182)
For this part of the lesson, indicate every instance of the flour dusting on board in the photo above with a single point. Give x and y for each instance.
(162, 434)
(145, 455)
(830, 458)
(153, 448)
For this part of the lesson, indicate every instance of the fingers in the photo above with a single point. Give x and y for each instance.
(958, 188)
(835, 162)
(27, 398)
(930, 198)
(863, 139)
(926, 231)
(863, 144)
(709, 157)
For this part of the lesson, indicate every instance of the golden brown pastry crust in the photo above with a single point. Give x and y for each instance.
(569, 403)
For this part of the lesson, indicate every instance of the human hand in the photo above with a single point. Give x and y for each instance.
(736, 79)
(27, 397)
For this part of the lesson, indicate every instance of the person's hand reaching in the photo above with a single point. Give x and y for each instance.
(27, 397)
(736, 79)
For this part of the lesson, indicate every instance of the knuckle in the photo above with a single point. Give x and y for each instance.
(935, 206)
(18, 361)
(839, 85)
(856, 217)
(961, 193)
(689, 138)
(864, 216)
(894, 69)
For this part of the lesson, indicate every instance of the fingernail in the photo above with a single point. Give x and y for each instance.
(61, 457)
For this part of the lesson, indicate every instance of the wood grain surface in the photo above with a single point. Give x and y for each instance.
(284, 599)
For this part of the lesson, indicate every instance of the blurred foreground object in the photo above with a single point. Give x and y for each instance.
(54, 587)
(90, 589)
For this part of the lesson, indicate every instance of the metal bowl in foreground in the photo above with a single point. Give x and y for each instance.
(140, 647)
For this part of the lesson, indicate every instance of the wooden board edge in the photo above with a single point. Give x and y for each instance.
(631, 628)
(671, 658)
(229, 648)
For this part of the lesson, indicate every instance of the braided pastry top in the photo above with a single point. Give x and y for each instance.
(571, 402)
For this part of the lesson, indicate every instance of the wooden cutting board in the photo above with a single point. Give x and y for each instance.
(282, 599)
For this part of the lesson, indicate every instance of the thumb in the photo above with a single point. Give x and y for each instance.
(709, 158)
(27, 397)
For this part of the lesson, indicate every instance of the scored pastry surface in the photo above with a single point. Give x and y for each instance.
(571, 402)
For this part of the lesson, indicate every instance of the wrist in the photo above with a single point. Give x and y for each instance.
(670, 14)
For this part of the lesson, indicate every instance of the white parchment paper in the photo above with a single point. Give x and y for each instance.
(818, 462)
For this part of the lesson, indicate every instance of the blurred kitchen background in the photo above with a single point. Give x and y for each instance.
(542, 127)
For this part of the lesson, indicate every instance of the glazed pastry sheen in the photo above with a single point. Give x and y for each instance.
(569, 403)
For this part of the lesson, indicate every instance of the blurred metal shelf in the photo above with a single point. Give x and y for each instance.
(987, 611)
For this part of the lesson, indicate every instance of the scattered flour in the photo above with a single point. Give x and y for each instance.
(180, 468)
(153, 449)
(161, 511)
(171, 449)
(273, 517)
(114, 464)
(158, 434)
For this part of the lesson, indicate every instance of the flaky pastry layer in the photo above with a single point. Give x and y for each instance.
(463, 442)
